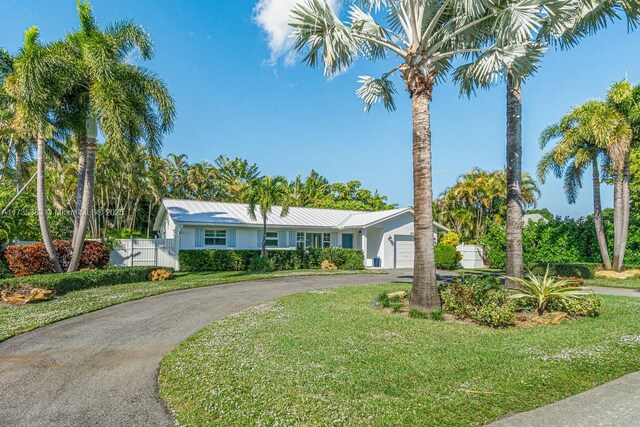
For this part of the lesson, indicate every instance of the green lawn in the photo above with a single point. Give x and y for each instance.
(18, 319)
(329, 358)
(616, 283)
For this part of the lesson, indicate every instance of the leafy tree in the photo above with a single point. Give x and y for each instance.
(264, 194)
(425, 36)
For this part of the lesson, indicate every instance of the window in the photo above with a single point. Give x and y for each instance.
(215, 238)
(272, 239)
(314, 240)
(300, 240)
(326, 240)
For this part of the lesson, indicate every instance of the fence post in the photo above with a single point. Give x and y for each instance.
(131, 250)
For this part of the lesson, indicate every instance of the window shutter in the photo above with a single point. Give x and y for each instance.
(231, 238)
(260, 234)
(199, 237)
(282, 239)
(293, 239)
(334, 239)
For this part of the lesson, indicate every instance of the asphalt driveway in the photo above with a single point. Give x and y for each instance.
(100, 369)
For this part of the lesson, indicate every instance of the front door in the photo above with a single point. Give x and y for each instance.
(347, 241)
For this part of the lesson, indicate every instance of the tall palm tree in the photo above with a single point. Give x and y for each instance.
(587, 134)
(425, 36)
(264, 194)
(126, 102)
(515, 59)
(34, 90)
(235, 176)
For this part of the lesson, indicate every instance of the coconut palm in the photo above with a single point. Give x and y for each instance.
(264, 194)
(235, 177)
(126, 102)
(33, 89)
(425, 36)
(515, 59)
(587, 135)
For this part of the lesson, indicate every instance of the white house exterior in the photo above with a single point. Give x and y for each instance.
(387, 235)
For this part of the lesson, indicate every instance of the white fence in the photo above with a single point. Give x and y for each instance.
(472, 256)
(145, 252)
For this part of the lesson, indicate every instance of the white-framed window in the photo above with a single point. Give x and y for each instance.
(215, 237)
(326, 240)
(300, 240)
(272, 239)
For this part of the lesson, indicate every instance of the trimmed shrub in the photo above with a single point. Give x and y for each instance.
(5, 272)
(496, 315)
(25, 260)
(450, 239)
(447, 257)
(67, 282)
(261, 265)
(588, 306)
(240, 260)
(584, 270)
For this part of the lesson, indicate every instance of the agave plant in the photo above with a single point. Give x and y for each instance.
(542, 290)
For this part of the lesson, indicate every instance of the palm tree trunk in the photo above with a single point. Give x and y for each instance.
(515, 258)
(42, 207)
(18, 167)
(263, 253)
(618, 215)
(424, 293)
(597, 217)
(87, 204)
(82, 170)
(626, 199)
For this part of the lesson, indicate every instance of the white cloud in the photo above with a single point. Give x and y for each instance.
(273, 17)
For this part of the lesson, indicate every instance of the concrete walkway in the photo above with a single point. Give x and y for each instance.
(614, 404)
(101, 368)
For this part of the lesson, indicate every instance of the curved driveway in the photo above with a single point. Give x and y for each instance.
(101, 368)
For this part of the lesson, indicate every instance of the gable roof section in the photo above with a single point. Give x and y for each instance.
(220, 213)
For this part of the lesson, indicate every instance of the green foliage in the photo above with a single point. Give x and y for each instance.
(415, 313)
(541, 290)
(239, 260)
(587, 306)
(450, 239)
(261, 264)
(583, 270)
(447, 257)
(480, 298)
(67, 282)
(436, 315)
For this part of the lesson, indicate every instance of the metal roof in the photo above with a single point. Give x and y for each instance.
(221, 213)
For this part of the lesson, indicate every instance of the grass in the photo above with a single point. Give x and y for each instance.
(328, 358)
(15, 320)
(616, 283)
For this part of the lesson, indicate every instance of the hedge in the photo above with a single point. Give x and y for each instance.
(447, 257)
(586, 270)
(239, 260)
(67, 282)
(25, 260)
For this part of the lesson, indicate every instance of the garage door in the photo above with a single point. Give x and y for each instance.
(404, 251)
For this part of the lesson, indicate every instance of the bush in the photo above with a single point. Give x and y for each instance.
(240, 260)
(450, 239)
(496, 315)
(415, 313)
(5, 272)
(25, 260)
(582, 270)
(447, 257)
(262, 265)
(588, 306)
(437, 315)
(67, 282)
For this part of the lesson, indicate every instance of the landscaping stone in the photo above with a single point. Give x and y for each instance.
(553, 318)
(401, 294)
(622, 275)
(23, 297)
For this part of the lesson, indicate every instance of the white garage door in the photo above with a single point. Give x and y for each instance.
(404, 251)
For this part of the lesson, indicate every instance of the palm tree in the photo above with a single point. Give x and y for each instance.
(585, 135)
(126, 102)
(34, 90)
(235, 177)
(515, 59)
(425, 36)
(266, 193)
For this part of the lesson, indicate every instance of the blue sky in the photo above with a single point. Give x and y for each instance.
(233, 99)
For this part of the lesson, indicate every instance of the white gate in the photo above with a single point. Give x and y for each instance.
(145, 252)
(472, 256)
